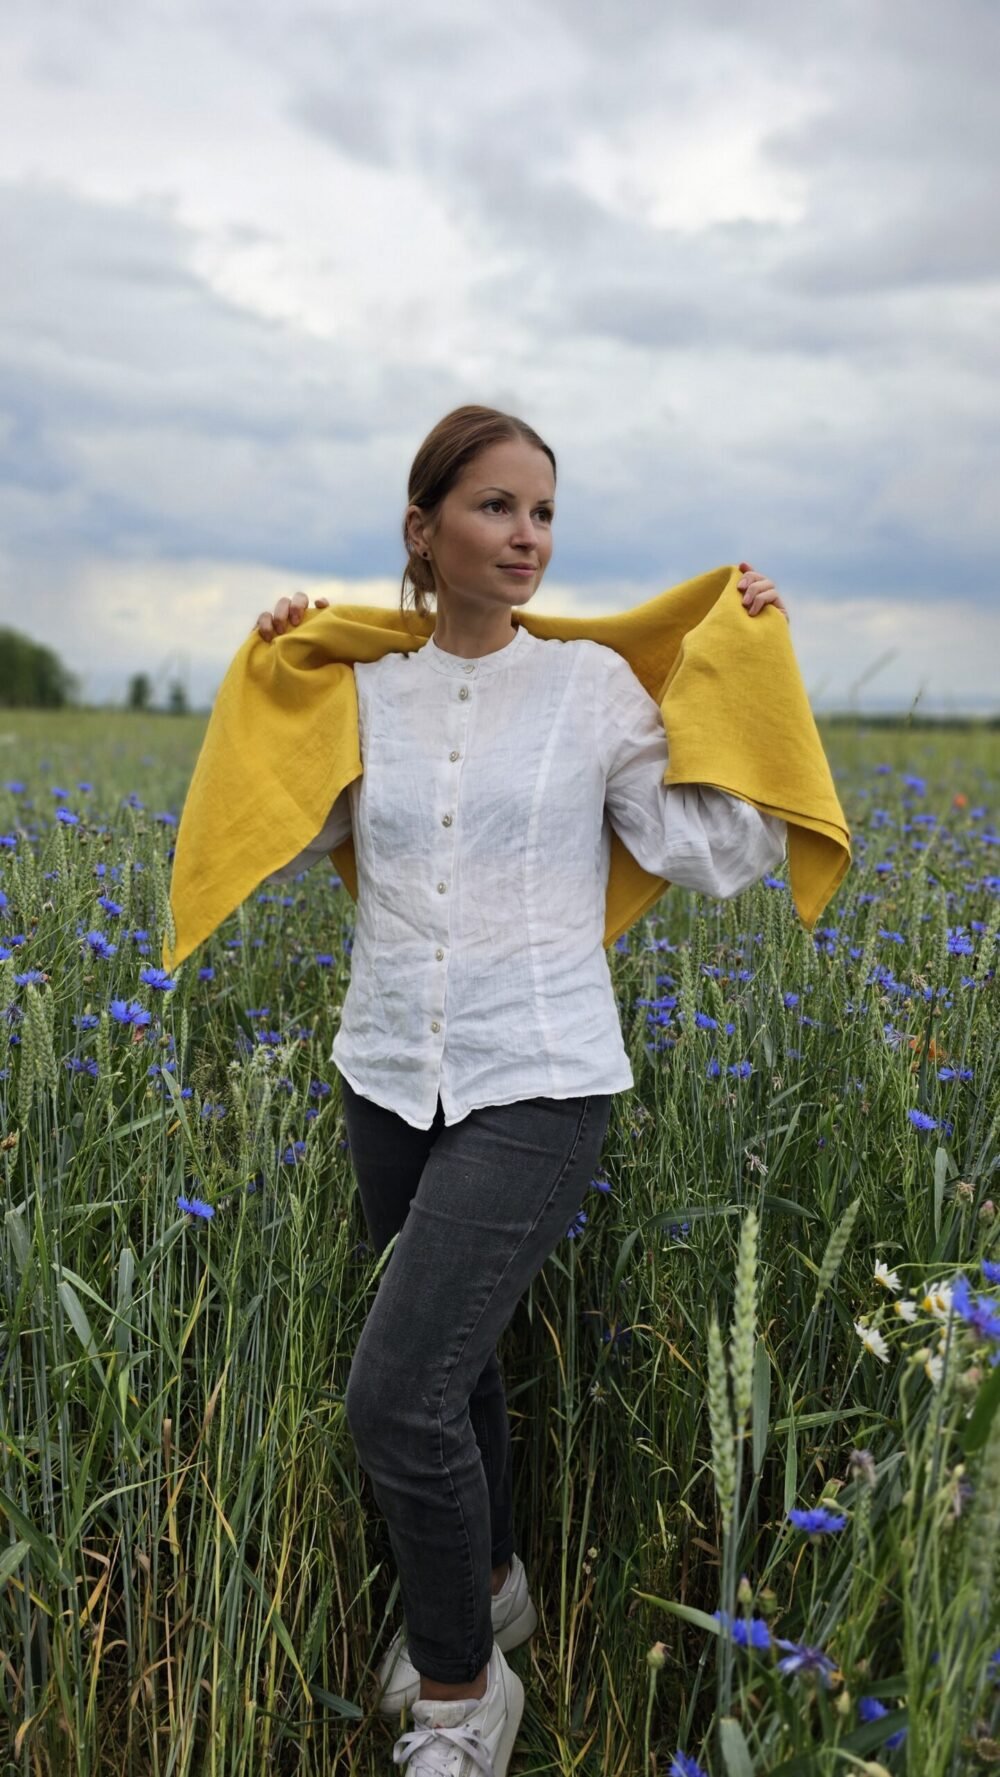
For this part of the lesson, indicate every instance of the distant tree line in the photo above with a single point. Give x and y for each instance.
(33, 677)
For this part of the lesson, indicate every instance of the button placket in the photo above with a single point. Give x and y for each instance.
(447, 820)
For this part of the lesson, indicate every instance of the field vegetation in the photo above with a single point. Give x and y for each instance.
(754, 1392)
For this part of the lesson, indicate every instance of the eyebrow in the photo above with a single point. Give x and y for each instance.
(546, 499)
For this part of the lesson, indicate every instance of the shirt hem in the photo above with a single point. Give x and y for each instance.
(608, 1088)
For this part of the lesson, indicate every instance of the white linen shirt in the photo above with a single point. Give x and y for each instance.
(483, 845)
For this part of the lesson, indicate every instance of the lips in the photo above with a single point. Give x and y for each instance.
(516, 568)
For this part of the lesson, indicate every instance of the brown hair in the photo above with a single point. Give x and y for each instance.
(455, 441)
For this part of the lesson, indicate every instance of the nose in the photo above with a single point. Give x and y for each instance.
(526, 535)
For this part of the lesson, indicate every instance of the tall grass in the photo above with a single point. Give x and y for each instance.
(193, 1573)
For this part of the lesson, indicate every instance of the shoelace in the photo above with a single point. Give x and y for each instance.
(417, 1740)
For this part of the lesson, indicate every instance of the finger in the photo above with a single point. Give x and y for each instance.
(281, 616)
(759, 589)
(300, 603)
(265, 628)
(322, 604)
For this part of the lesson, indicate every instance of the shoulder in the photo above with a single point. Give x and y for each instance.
(581, 653)
(606, 664)
(394, 660)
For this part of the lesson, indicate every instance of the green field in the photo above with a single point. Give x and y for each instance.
(194, 1577)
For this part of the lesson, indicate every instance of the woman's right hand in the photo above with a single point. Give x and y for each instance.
(286, 614)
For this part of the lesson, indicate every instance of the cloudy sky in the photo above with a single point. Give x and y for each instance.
(739, 266)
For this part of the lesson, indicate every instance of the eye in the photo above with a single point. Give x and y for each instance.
(545, 510)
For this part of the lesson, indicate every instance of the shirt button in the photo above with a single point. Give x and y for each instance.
(453, 755)
(435, 1025)
(439, 954)
(446, 820)
(464, 691)
(440, 888)
(470, 669)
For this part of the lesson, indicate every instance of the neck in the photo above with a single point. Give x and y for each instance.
(472, 640)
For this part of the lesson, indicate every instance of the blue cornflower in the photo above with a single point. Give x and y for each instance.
(206, 974)
(124, 1012)
(99, 945)
(32, 977)
(683, 1766)
(577, 1224)
(86, 1020)
(324, 959)
(158, 978)
(799, 1658)
(745, 1633)
(292, 1155)
(870, 1709)
(817, 1520)
(714, 1068)
(897, 937)
(991, 1272)
(195, 1206)
(921, 1120)
(704, 1022)
(319, 1088)
(742, 1068)
(789, 1000)
(958, 943)
(112, 907)
(67, 819)
(601, 1184)
(76, 1066)
(980, 1313)
(955, 1073)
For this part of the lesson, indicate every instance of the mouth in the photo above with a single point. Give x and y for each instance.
(510, 568)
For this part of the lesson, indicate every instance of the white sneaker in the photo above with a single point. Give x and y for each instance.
(469, 1737)
(513, 1616)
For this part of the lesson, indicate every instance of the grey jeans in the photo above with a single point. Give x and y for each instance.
(478, 1207)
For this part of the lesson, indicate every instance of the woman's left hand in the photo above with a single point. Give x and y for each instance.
(759, 592)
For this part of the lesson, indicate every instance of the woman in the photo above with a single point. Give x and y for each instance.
(479, 1044)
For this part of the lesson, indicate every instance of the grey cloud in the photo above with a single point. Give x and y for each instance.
(151, 413)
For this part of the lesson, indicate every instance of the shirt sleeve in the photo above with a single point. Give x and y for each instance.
(335, 829)
(691, 834)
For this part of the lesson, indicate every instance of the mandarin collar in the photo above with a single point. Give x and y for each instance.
(440, 661)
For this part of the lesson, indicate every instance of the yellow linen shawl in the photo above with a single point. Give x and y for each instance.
(282, 742)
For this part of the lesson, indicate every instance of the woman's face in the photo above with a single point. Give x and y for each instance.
(500, 510)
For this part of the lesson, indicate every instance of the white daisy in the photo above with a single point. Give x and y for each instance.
(937, 1299)
(933, 1366)
(888, 1279)
(872, 1341)
(906, 1310)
